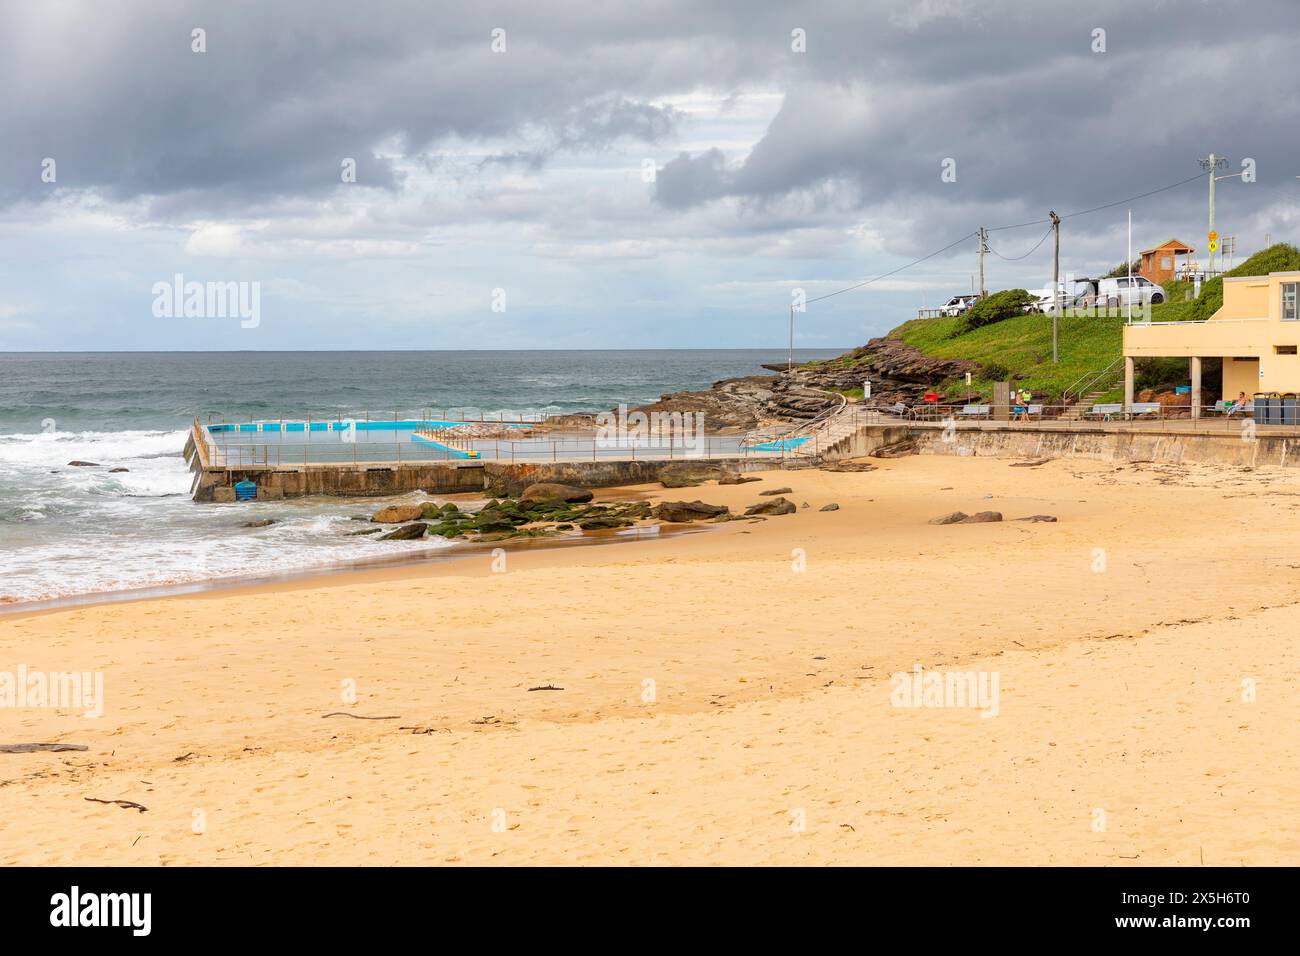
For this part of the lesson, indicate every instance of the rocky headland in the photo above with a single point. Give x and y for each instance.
(897, 372)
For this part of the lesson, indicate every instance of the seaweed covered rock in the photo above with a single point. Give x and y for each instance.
(406, 532)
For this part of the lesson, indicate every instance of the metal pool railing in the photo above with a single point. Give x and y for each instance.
(253, 454)
(460, 414)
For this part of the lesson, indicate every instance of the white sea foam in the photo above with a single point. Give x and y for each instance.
(74, 530)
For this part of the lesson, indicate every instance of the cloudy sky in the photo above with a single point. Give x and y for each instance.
(556, 174)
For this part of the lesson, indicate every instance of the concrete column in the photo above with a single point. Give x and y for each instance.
(1128, 383)
(1196, 387)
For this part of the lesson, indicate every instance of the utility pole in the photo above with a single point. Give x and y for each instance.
(1056, 288)
(789, 356)
(983, 249)
(1214, 164)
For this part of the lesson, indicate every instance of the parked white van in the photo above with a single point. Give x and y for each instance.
(1138, 289)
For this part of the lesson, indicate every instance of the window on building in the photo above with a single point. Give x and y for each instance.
(1289, 301)
(1284, 350)
(1165, 263)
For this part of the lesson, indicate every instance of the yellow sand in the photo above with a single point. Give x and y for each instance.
(1122, 735)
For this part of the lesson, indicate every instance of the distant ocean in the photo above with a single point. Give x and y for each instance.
(66, 530)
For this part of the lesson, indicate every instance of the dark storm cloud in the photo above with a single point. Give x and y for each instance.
(286, 91)
(1031, 115)
(1013, 92)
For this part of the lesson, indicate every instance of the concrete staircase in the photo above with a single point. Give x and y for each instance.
(1084, 393)
(1082, 406)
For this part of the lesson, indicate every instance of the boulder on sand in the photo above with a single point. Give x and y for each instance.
(396, 514)
(687, 474)
(982, 517)
(734, 479)
(84, 464)
(405, 533)
(955, 517)
(777, 506)
(830, 507)
(554, 491)
(961, 517)
(679, 512)
(776, 491)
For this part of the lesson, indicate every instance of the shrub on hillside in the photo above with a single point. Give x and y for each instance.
(1280, 257)
(994, 308)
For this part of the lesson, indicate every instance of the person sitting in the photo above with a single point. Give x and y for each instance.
(1239, 405)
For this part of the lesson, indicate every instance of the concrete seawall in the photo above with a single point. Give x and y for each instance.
(363, 480)
(1114, 444)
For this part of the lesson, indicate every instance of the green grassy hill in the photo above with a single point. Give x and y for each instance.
(1020, 348)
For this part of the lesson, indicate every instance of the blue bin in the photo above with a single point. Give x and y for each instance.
(245, 490)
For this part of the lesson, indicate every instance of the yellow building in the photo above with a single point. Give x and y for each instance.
(1256, 332)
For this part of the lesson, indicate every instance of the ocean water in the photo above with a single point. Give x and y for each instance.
(66, 530)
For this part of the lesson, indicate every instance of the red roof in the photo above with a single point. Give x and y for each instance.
(1173, 245)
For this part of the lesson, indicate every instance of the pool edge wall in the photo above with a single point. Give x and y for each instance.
(440, 478)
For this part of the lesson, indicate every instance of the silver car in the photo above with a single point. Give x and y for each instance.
(1139, 290)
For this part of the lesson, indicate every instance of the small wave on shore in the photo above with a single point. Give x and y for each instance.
(79, 529)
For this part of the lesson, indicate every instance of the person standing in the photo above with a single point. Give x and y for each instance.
(1022, 410)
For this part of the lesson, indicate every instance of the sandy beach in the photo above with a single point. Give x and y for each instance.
(716, 698)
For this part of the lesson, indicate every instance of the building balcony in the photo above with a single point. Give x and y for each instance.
(1211, 337)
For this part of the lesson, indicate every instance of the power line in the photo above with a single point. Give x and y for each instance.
(1120, 202)
(1027, 254)
(886, 275)
(1019, 225)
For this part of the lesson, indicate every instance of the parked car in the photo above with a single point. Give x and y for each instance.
(1139, 290)
(957, 305)
(1079, 293)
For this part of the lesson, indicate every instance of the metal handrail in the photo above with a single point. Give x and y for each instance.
(798, 429)
(1088, 380)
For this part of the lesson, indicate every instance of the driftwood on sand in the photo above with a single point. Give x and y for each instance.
(124, 804)
(38, 748)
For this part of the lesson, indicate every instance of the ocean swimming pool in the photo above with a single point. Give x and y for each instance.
(286, 443)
